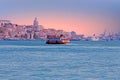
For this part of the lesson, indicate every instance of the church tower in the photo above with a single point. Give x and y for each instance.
(35, 24)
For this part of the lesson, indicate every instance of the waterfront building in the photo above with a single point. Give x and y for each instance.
(4, 22)
(37, 32)
(32, 35)
(28, 36)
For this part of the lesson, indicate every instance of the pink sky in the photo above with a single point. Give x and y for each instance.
(82, 16)
(82, 24)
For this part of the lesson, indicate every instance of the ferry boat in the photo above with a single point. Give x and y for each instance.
(53, 39)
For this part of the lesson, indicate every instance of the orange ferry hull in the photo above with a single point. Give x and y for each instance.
(53, 39)
(51, 42)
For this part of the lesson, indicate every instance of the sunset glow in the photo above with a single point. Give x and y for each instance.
(84, 17)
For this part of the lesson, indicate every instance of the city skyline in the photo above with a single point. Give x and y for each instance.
(84, 17)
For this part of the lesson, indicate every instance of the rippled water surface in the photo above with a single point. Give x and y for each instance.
(35, 60)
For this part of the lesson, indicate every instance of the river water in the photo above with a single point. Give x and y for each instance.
(80, 60)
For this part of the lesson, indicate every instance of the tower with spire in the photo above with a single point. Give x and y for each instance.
(35, 24)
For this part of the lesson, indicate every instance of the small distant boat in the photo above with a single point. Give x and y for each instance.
(53, 39)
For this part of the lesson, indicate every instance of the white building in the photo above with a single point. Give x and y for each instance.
(36, 25)
(3, 22)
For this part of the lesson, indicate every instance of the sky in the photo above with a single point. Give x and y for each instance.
(86, 17)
